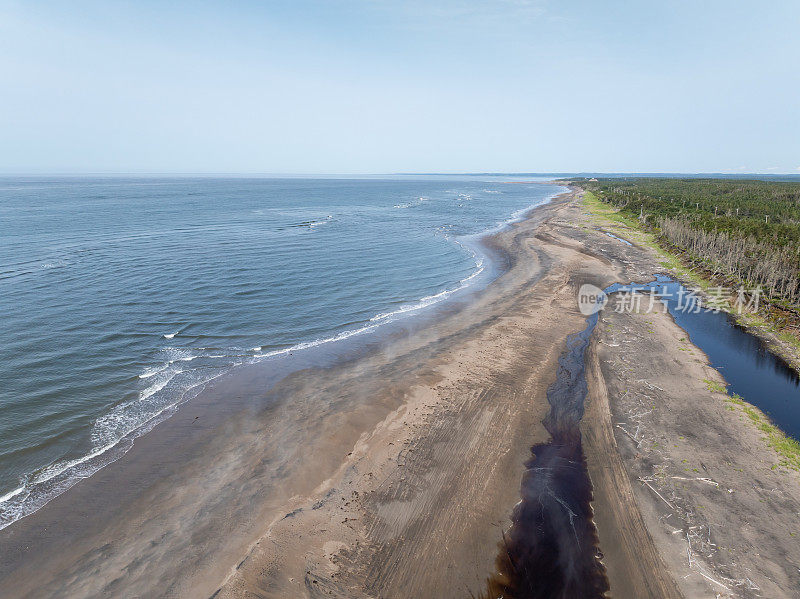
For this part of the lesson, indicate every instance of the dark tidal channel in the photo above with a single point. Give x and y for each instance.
(551, 550)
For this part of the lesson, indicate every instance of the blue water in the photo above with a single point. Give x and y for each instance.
(751, 370)
(122, 296)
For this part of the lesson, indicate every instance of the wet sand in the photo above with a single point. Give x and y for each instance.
(395, 473)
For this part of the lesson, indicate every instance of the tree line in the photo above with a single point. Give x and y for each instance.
(744, 231)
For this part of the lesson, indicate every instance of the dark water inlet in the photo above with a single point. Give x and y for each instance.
(752, 371)
(551, 550)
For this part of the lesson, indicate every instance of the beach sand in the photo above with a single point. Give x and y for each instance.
(395, 472)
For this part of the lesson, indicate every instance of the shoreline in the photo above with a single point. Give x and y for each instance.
(395, 472)
(157, 440)
(386, 324)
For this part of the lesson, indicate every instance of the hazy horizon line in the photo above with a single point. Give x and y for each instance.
(134, 173)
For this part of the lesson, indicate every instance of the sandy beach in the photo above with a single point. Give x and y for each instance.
(395, 472)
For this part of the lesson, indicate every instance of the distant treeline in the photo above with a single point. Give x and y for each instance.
(748, 231)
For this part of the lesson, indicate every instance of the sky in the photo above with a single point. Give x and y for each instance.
(379, 86)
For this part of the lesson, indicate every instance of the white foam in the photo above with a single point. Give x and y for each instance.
(156, 387)
(128, 421)
(316, 223)
(54, 470)
(380, 319)
(11, 494)
(153, 371)
(179, 354)
(428, 300)
(58, 477)
(413, 203)
(174, 354)
(518, 215)
(479, 267)
(111, 440)
(318, 342)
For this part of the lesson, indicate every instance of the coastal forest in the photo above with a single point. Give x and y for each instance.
(743, 232)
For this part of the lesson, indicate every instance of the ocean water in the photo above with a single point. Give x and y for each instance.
(121, 297)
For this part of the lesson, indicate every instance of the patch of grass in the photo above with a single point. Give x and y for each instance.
(676, 265)
(789, 338)
(598, 208)
(735, 398)
(715, 386)
(753, 320)
(788, 449)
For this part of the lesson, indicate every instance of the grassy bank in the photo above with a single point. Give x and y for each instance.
(626, 226)
(772, 318)
(745, 233)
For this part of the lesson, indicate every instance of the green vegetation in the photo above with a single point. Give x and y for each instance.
(633, 230)
(715, 386)
(745, 233)
(639, 217)
(787, 448)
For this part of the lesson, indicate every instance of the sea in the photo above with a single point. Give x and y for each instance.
(121, 297)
